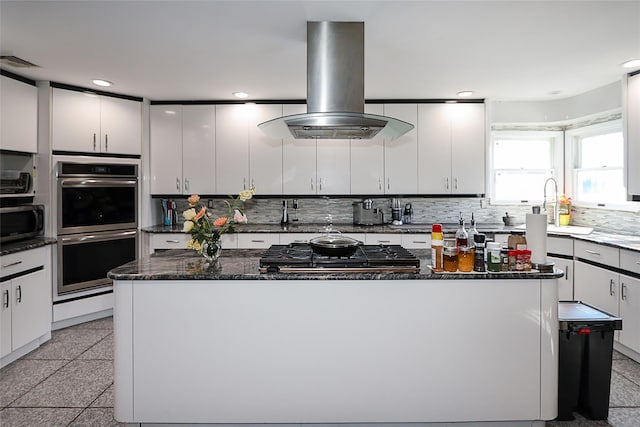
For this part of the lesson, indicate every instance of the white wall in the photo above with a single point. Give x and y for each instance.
(598, 100)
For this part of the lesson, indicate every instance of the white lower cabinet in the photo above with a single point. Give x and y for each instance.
(165, 241)
(257, 240)
(560, 252)
(416, 241)
(630, 312)
(25, 311)
(596, 286)
(383, 239)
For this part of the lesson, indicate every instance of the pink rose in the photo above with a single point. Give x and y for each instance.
(193, 199)
(239, 217)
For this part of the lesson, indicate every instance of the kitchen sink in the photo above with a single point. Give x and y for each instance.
(562, 229)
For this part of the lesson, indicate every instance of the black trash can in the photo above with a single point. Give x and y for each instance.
(585, 353)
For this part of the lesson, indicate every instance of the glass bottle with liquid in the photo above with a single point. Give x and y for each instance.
(462, 237)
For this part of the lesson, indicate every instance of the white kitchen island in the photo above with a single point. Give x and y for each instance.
(228, 346)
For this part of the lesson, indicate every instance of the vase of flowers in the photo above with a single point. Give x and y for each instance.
(206, 231)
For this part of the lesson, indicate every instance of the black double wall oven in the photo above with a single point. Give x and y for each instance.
(97, 215)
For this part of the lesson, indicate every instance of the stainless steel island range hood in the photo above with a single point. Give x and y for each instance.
(335, 90)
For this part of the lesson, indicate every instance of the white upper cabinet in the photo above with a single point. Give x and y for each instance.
(18, 116)
(367, 160)
(400, 155)
(332, 166)
(182, 149)
(165, 149)
(633, 135)
(298, 159)
(89, 123)
(198, 149)
(232, 148)
(265, 153)
(451, 150)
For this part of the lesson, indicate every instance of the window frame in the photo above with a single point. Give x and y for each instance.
(572, 155)
(556, 138)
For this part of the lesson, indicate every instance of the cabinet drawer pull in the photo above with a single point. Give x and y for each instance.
(638, 262)
(300, 241)
(5, 299)
(257, 241)
(623, 294)
(19, 294)
(12, 264)
(418, 241)
(172, 241)
(592, 252)
(611, 291)
(384, 241)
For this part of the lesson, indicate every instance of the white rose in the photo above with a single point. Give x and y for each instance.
(187, 227)
(189, 214)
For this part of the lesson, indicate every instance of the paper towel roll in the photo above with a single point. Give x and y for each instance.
(537, 237)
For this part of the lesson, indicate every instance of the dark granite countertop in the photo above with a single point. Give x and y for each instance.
(243, 264)
(343, 228)
(25, 245)
(623, 241)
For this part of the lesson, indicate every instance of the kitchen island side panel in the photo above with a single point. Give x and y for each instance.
(337, 351)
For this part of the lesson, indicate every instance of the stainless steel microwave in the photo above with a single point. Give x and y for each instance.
(21, 222)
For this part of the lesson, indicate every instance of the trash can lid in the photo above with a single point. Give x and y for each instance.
(577, 311)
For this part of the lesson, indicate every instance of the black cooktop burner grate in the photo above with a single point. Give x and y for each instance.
(366, 258)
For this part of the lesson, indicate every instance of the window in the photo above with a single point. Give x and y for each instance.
(596, 164)
(521, 162)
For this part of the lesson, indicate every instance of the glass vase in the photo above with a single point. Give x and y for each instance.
(211, 251)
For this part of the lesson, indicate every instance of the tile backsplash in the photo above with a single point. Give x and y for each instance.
(426, 210)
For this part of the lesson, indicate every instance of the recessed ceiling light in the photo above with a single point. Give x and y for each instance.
(632, 63)
(241, 94)
(103, 83)
(465, 93)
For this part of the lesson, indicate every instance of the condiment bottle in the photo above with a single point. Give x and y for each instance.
(478, 264)
(472, 229)
(504, 259)
(436, 247)
(450, 259)
(465, 258)
(462, 237)
(493, 256)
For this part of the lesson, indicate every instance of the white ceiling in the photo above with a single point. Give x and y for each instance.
(205, 50)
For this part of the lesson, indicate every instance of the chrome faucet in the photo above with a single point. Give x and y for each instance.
(556, 207)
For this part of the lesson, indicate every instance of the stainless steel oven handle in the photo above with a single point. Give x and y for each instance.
(99, 237)
(88, 182)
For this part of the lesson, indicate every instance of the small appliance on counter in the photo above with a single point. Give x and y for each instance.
(169, 213)
(396, 212)
(365, 214)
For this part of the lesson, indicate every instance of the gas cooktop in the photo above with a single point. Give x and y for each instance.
(300, 258)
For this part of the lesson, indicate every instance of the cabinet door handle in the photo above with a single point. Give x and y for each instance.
(320, 184)
(12, 264)
(244, 183)
(186, 185)
(592, 252)
(178, 184)
(106, 142)
(455, 183)
(172, 241)
(623, 294)
(611, 287)
(446, 185)
(5, 299)
(379, 184)
(94, 142)
(19, 294)
(311, 183)
(388, 183)
(566, 272)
